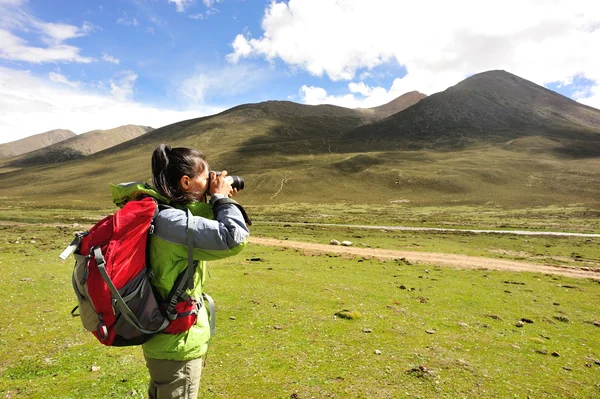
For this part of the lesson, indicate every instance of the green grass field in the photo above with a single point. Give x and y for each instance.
(423, 331)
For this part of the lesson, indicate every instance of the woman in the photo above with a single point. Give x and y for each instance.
(182, 176)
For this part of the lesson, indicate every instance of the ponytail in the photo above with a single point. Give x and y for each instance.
(169, 165)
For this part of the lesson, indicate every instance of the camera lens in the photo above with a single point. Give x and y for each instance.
(235, 181)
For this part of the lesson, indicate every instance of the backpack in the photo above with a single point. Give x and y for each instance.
(112, 281)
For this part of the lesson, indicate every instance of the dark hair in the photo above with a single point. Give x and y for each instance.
(169, 165)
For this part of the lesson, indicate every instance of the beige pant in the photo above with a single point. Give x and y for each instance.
(170, 379)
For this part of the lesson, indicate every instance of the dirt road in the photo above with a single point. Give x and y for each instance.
(432, 258)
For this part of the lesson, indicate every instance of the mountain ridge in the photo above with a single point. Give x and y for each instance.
(34, 142)
(81, 145)
(492, 107)
(494, 139)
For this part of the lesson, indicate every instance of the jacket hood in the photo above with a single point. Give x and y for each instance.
(124, 192)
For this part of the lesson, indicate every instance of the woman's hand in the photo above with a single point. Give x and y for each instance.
(221, 184)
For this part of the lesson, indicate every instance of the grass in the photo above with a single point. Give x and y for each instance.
(447, 334)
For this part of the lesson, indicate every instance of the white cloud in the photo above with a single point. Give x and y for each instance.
(438, 43)
(127, 21)
(360, 96)
(53, 35)
(110, 58)
(241, 49)
(210, 3)
(181, 5)
(206, 15)
(58, 78)
(589, 95)
(230, 80)
(16, 49)
(122, 87)
(32, 105)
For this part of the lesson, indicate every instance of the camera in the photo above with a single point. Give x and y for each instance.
(235, 181)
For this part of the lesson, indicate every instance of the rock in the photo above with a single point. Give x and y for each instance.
(402, 287)
(346, 243)
(541, 351)
(519, 324)
(567, 368)
(95, 368)
(26, 279)
(465, 325)
(430, 331)
(555, 354)
(597, 323)
(278, 327)
(526, 320)
(231, 317)
(334, 242)
(367, 330)
(564, 319)
(377, 352)
(348, 314)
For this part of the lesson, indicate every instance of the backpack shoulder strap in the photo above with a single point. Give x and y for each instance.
(186, 279)
(225, 201)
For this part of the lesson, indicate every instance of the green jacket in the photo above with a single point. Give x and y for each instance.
(215, 237)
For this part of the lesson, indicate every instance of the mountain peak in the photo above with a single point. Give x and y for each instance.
(489, 107)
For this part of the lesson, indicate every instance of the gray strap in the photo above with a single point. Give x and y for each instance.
(211, 313)
(190, 242)
(187, 281)
(218, 203)
(125, 311)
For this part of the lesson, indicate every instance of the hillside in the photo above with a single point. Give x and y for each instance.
(81, 145)
(488, 108)
(399, 104)
(32, 143)
(290, 152)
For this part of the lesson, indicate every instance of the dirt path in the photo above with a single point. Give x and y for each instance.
(432, 258)
(428, 258)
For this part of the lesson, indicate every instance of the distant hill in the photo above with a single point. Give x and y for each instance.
(34, 142)
(491, 107)
(81, 145)
(399, 104)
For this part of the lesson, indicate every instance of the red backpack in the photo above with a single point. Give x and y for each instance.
(113, 283)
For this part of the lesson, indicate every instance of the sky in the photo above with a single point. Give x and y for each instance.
(98, 64)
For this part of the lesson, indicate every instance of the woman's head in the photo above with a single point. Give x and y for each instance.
(180, 174)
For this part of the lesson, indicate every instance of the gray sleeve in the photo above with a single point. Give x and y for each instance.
(227, 231)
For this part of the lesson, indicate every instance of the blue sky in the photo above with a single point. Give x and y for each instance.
(84, 65)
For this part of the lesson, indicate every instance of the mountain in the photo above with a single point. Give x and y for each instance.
(81, 145)
(492, 139)
(35, 142)
(399, 104)
(488, 108)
